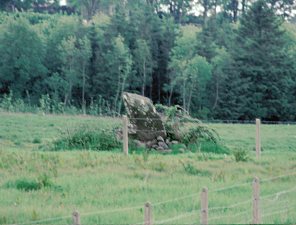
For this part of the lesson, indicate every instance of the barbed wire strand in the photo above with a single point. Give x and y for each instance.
(163, 202)
(277, 177)
(231, 206)
(111, 211)
(278, 194)
(268, 214)
(43, 220)
(249, 122)
(82, 214)
(221, 217)
(278, 211)
(175, 199)
(226, 188)
(184, 215)
(225, 121)
(276, 206)
(230, 187)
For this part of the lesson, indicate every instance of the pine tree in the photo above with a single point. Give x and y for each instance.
(261, 67)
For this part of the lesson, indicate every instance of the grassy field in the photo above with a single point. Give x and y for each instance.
(109, 188)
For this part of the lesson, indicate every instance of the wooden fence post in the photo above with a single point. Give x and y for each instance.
(125, 135)
(148, 214)
(76, 218)
(204, 206)
(258, 138)
(256, 191)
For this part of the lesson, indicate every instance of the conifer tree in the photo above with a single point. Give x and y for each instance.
(261, 67)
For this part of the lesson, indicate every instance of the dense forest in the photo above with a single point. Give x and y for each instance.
(222, 59)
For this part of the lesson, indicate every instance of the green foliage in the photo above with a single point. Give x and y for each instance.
(7, 102)
(45, 103)
(85, 138)
(261, 78)
(170, 112)
(26, 184)
(192, 170)
(190, 72)
(241, 155)
(206, 146)
(198, 137)
(204, 139)
(37, 141)
(21, 64)
(143, 63)
(201, 132)
(211, 64)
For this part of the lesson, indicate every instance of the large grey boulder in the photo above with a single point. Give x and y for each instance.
(146, 123)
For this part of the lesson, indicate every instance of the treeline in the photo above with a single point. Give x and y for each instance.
(235, 60)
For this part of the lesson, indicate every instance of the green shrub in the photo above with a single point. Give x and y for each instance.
(25, 184)
(197, 138)
(196, 134)
(241, 155)
(86, 138)
(36, 141)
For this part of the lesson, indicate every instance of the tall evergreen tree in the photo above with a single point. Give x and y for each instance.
(261, 67)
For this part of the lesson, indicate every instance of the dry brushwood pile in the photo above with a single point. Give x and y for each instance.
(159, 127)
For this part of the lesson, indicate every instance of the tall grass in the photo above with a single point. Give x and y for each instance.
(96, 181)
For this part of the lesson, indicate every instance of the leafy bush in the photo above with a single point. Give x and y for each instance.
(37, 141)
(24, 184)
(86, 138)
(241, 155)
(199, 137)
(199, 133)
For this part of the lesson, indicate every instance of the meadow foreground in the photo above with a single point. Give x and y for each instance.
(40, 186)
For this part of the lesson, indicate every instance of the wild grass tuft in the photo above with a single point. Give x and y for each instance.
(241, 155)
(192, 170)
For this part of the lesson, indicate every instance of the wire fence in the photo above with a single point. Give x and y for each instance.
(260, 138)
(235, 210)
(272, 140)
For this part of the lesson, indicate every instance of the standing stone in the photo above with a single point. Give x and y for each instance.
(143, 117)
